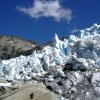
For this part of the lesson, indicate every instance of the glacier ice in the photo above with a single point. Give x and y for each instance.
(96, 77)
(85, 49)
(62, 45)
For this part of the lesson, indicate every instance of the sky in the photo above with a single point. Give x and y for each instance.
(39, 20)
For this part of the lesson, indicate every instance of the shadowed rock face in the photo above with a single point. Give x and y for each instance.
(11, 47)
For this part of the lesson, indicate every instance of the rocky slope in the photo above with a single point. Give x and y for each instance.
(30, 91)
(68, 67)
(11, 47)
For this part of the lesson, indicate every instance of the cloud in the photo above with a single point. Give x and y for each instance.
(75, 30)
(44, 8)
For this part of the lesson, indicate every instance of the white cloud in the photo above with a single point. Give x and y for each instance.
(44, 8)
(74, 30)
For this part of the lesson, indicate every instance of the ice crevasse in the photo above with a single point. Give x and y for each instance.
(79, 49)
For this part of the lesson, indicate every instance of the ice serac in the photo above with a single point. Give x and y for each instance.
(62, 45)
(82, 51)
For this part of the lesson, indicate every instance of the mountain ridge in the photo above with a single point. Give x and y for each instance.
(11, 46)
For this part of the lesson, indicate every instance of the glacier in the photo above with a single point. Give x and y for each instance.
(82, 49)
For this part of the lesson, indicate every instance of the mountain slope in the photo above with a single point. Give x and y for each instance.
(11, 47)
